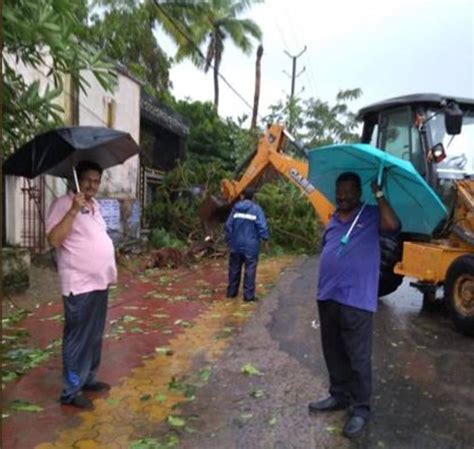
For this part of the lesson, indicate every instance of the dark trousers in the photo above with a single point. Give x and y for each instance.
(84, 322)
(346, 335)
(236, 261)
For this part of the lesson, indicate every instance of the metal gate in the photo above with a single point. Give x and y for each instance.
(33, 235)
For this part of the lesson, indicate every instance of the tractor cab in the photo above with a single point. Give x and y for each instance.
(435, 133)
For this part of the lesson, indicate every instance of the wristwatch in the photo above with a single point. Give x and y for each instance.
(379, 194)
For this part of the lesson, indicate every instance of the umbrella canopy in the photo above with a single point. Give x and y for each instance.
(56, 152)
(418, 207)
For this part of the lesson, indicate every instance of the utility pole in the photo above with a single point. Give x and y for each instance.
(293, 77)
(293, 72)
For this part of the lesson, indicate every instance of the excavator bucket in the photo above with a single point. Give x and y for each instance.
(213, 211)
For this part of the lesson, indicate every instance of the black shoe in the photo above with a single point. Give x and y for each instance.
(354, 426)
(251, 299)
(78, 401)
(96, 386)
(231, 296)
(329, 404)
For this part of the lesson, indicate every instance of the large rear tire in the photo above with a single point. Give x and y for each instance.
(459, 293)
(390, 253)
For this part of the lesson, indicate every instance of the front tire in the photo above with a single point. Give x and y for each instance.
(390, 253)
(459, 293)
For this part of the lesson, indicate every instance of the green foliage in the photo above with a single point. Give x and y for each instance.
(249, 370)
(20, 405)
(290, 112)
(160, 238)
(213, 139)
(49, 37)
(327, 124)
(125, 32)
(291, 218)
(316, 122)
(179, 197)
(18, 357)
(168, 442)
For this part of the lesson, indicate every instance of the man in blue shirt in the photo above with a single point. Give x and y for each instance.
(244, 229)
(347, 298)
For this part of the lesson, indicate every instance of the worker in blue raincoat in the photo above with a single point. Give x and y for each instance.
(244, 229)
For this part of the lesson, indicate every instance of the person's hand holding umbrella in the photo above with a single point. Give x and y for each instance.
(389, 219)
(79, 204)
(376, 188)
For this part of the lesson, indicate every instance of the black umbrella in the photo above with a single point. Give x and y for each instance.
(58, 151)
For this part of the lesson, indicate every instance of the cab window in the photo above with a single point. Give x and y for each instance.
(395, 129)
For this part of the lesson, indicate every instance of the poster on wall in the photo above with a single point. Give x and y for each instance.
(110, 210)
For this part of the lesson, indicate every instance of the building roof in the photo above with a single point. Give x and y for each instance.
(125, 72)
(155, 112)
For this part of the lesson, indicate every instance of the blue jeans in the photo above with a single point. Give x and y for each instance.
(84, 325)
(236, 261)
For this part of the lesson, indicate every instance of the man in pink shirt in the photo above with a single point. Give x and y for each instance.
(86, 267)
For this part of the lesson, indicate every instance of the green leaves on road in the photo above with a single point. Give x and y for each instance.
(20, 405)
(256, 394)
(249, 370)
(17, 357)
(176, 421)
(169, 442)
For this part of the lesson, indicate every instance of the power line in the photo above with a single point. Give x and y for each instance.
(199, 52)
(311, 77)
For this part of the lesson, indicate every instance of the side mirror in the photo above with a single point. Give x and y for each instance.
(437, 153)
(453, 118)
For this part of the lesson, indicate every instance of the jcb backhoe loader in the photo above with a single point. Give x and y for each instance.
(436, 134)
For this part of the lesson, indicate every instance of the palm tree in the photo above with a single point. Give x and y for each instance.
(209, 25)
(256, 97)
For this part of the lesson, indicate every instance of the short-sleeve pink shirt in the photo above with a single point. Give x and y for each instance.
(86, 258)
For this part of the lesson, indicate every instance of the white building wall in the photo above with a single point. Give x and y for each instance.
(13, 209)
(119, 181)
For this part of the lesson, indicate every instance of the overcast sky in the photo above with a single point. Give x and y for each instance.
(385, 48)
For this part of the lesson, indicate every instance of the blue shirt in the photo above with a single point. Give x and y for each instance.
(349, 274)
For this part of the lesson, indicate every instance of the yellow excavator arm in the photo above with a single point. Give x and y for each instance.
(270, 154)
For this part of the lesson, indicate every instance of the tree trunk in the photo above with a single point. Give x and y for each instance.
(256, 96)
(216, 87)
(216, 84)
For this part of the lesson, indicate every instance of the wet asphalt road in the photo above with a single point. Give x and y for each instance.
(423, 379)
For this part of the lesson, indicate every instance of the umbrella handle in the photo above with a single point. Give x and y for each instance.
(76, 181)
(380, 173)
(84, 210)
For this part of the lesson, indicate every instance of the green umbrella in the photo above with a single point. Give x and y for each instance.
(418, 207)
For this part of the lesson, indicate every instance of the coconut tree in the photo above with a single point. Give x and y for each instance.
(209, 26)
(256, 97)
